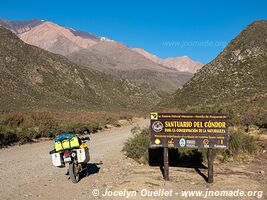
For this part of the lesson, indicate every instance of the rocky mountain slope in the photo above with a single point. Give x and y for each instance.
(56, 39)
(236, 79)
(181, 63)
(101, 54)
(117, 59)
(32, 78)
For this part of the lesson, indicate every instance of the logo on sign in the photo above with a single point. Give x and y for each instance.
(206, 143)
(157, 126)
(220, 141)
(170, 141)
(157, 141)
(154, 116)
(182, 142)
(190, 143)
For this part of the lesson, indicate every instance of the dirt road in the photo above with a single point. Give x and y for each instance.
(26, 172)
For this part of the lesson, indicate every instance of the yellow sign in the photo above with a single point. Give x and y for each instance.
(154, 116)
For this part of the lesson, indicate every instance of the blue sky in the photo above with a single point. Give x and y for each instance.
(198, 29)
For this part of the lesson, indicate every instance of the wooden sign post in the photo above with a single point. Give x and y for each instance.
(210, 165)
(166, 163)
(190, 130)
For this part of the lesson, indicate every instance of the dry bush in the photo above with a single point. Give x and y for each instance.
(23, 127)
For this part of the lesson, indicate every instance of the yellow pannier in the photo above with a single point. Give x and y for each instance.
(67, 144)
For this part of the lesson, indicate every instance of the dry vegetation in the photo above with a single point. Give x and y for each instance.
(25, 127)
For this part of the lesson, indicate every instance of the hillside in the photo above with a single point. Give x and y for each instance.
(117, 59)
(34, 79)
(235, 80)
(100, 53)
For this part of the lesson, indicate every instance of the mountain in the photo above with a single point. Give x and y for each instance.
(235, 80)
(100, 53)
(50, 36)
(56, 39)
(117, 59)
(19, 27)
(35, 79)
(181, 63)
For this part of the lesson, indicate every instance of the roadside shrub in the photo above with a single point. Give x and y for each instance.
(47, 131)
(24, 127)
(242, 143)
(252, 117)
(13, 119)
(94, 127)
(24, 138)
(7, 138)
(136, 130)
(136, 147)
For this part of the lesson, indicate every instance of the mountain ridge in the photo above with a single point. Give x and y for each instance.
(39, 35)
(35, 79)
(181, 63)
(105, 55)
